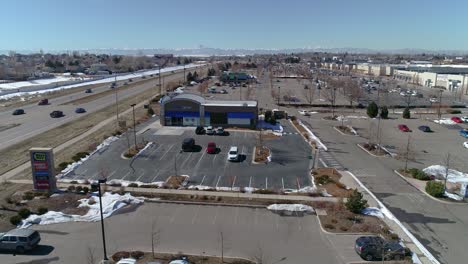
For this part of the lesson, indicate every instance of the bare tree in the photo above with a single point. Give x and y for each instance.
(352, 91)
(90, 256)
(203, 87)
(259, 256)
(155, 236)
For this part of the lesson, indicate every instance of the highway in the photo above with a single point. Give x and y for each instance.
(37, 119)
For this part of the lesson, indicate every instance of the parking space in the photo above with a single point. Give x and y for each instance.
(288, 169)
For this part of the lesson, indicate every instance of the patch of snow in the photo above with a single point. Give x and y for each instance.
(445, 121)
(306, 189)
(149, 144)
(324, 193)
(453, 176)
(56, 79)
(415, 259)
(453, 196)
(373, 211)
(250, 189)
(314, 137)
(291, 208)
(353, 131)
(346, 118)
(111, 203)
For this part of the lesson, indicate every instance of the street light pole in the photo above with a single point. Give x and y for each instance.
(134, 126)
(102, 218)
(439, 113)
(279, 94)
(160, 87)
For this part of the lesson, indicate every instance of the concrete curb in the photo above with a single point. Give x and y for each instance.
(368, 152)
(207, 203)
(258, 163)
(424, 192)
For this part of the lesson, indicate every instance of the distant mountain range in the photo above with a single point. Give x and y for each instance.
(204, 51)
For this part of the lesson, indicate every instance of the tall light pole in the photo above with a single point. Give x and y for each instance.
(99, 182)
(160, 87)
(134, 126)
(279, 94)
(117, 103)
(439, 113)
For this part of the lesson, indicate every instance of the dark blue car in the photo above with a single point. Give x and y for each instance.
(464, 133)
(80, 110)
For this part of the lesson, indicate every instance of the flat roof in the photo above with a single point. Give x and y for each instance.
(205, 102)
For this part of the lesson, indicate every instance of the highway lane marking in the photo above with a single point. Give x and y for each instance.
(166, 151)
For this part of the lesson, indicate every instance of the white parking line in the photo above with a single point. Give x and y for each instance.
(125, 176)
(185, 161)
(151, 153)
(266, 182)
(298, 184)
(155, 177)
(198, 162)
(233, 182)
(166, 151)
(110, 174)
(201, 183)
(250, 182)
(142, 173)
(282, 182)
(219, 178)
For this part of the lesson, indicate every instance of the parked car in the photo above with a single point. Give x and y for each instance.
(233, 154)
(210, 131)
(211, 148)
(465, 144)
(188, 144)
(464, 133)
(127, 261)
(456, 119)
(464, 119)
(56, 114)
(220, 131)
(179, 261)
(18, 112)
(223, 91)
(199, 130)
(425, 128)
(374, 248)
(88, 91)
(19, 240)
(304, 112)
(80, 110)
(404, 128)
(43, 102)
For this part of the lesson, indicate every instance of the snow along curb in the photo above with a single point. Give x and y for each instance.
(390, 216)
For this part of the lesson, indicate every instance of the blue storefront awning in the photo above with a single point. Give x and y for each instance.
(240, 115)
(181, 114)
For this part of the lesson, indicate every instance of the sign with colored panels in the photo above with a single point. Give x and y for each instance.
(42, 165)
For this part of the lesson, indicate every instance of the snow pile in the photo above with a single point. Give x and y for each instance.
(111, 203)
(291, 208)
(57, 79)
(106, 143)
(453, 196)
(149, 144)
(314, 137)
(454, 176)
(158, 184)
(373, 211)
(445, 121)
(346, 118)
(306, 189)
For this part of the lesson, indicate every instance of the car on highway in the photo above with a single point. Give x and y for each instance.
(223, 91)
(219, 131)
(56, 114)
(464, 119)
(376, 248)
(43, 102)
(188, 144)
(211, 148)
(465, 144)
(233, 154)
(88, 91)
(18, 112)
(304, 112)
(130, 80)
(210, 130)
(19, 240)
(464, 133)
(200, 130)
(404, 128)
(425, 128)
(456, 119)
(80, 110)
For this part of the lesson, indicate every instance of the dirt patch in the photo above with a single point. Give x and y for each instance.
(304, 133)
(329, 179)
(374, 149)
(261, 154)
(6, 191)
(175, 181)
(346, 130)
(269, 136)
(66, 203)
(165, 258)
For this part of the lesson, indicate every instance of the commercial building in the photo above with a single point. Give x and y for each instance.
(193, 110)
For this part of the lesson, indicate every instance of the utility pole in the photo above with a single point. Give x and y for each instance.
(134, 126)
(447, 164)
(407, 153)
(116, 102)
(184, 75)
(160, 87)
(279, 94)
(439, 113)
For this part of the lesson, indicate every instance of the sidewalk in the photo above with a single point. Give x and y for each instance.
(12, 173)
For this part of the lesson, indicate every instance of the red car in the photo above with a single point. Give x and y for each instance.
(211, 148)
(404, 128)
(456, 120)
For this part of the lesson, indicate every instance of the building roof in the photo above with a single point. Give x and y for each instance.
(439, 69)
(203, 101)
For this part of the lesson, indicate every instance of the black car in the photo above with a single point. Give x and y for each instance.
(200, 130)
(56, 114)
(425, 129)
(376, 248)
(18, 112)
(88, 91)
(188, 144)
(80, 110)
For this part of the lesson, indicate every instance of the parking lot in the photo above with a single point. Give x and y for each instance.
(288, 169)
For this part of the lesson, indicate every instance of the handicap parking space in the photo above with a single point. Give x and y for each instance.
(288, 169)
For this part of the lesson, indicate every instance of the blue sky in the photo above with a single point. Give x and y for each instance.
(375, 24)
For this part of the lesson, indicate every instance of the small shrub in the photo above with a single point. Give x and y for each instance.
(42, 210)
(133, 185)
(219, 198)
(355, 202)
(323, 179)
(264, 191)
(343, 228)
(150, 111)
(74, 182)
(24, 213)
(15, 220)
(384, 112)
(329, 226)
(137, 254)
(394, 236)
(293, 118)
(372, 110)
(118, 133)
(78, 189)
(8, 200)
(435, 188)
(94, 188)
(85, 190)
(28, 196)
(71, 188)
(116, 184)
(406, 113)
(334, 221)
(453, 111)
(63, 165)
(120, 255)
(419, 174)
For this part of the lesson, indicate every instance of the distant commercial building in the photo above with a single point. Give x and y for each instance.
(193, 110)
(236, 77)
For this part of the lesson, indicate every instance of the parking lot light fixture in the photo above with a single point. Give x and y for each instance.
(134, 126)
(98, 184)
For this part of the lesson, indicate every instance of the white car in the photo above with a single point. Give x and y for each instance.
(464, 119)
(209, 130)
(433, 100)
(304, 112)
(465, 144)
(233, 154)
(127, 261)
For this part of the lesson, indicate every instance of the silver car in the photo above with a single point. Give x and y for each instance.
(19, 240)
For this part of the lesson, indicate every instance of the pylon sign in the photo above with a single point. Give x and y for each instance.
(42, 165)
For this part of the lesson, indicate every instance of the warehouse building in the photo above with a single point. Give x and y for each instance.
(193, 110)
